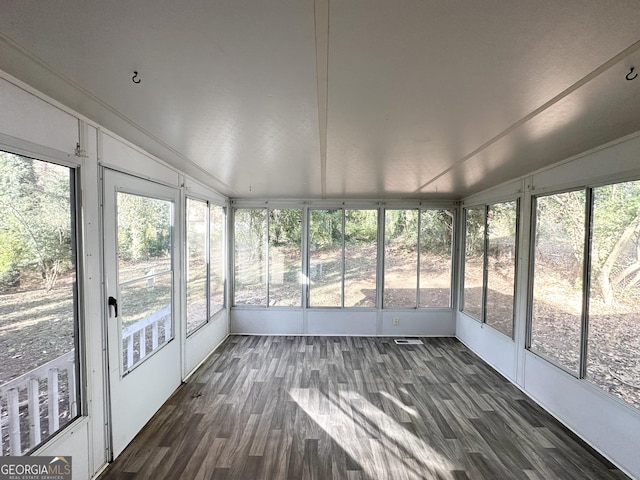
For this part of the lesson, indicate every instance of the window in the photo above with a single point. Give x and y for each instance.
(196, 274)
(217, 227)
(285, 257)
(490, 264)
(342, 258)
(418, 258)
(401, 258)
(436, 253)
(558, 258)
(250, 257)
(325, 258)
(268, 257)
(502, 224)
(474, 239)
(39, 364)
(613, 358)
(145, 275)
(360, 257)
(205, 262)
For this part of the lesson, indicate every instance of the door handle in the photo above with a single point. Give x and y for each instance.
(113, 303)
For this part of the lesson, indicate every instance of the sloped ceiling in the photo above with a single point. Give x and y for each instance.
(339, 98)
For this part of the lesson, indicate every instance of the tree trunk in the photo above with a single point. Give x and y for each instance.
(604, 276)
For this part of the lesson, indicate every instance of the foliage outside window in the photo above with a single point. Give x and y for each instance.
(401, 258)
(325, 258)
(607, 351)
(216, 258)
(613, 358)
(502, 224)
(417, 258)
(250, 230)
(558, 257)
(196, 274)
(205, 262)
(39, 366)
(436, 253)
(360, 257)
(145, 275)
(268, 257)
(342, 258)
(285, 257)
(474, 257)
(490, 264)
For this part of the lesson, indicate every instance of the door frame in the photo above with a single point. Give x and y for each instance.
(143, 378)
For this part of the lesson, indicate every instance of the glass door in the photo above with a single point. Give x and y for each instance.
(141, 295)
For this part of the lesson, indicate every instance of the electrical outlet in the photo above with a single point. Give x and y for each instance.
(396, 321)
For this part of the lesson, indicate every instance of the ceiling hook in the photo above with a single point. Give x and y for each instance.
(135, 78)
(631, 77)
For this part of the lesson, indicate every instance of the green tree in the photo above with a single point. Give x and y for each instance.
(36, 225)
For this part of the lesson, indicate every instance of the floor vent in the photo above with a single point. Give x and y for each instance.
(408, 341)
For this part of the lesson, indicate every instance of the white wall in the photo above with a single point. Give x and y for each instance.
(33, 125)
(343, 321)
(606, 423)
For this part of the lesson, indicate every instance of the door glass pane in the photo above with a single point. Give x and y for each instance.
(325, 258)
(216, 258)
(557, 277)
(250, 257)
(360, 258)
(285, 258)
(401, 258)
(474, 261)
(145, 275)
(613, 359)
(144, 236)
(501, 266)
(196, 274)
(436, 250)
(39, 382)
(145, 311)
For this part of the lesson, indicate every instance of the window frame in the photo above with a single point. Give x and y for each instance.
(210, 313)
(343, 209)
(77, 234)
(485, 261)
(579, 373)
(454, 237)
(267, 209)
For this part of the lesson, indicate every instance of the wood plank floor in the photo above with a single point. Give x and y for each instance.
(352, 408)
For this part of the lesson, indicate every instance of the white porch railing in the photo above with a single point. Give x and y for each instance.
(153, 321)
(32, 409)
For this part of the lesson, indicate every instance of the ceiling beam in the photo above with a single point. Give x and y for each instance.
(321, 18)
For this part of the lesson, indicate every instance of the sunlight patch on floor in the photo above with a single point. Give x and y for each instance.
(371, 437)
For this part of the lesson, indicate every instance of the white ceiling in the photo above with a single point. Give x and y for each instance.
(339, 98)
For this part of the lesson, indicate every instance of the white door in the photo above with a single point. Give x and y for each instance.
(141, 252)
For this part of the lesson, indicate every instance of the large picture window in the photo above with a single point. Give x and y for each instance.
(39, 366)
(589, 327)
